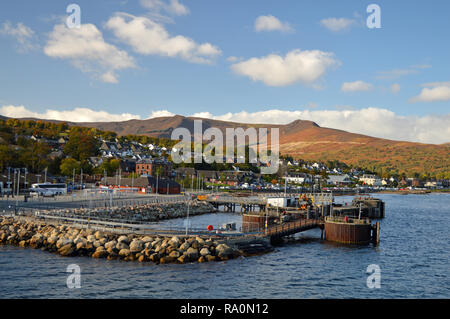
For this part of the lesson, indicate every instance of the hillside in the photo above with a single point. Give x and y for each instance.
(307, 140)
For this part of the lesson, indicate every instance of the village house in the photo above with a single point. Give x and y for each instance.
(371, 180)
(433, 184)
(297, 178)
(153, 167)
(208, 176)
(128, 165)
(183, 172)
(143, 185)
(339, 179)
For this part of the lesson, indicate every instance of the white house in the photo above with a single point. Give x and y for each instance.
(338, 179)
(371, 180)
(297, 179)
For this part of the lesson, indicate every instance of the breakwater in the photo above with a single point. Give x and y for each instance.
(71, 241)
(152, 212)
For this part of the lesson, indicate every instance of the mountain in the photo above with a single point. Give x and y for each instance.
(308, 141)
(163, 126)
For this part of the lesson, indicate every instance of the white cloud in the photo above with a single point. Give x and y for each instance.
(86, 49)
(160, 113)
(433, 92)
(297, 66)
(148, 37)
(337, 24)
(21, 33)
(75, 115)
(395, 88)
(234, 59)
(173, 7)
(271, 23)
(375, 122)
(396, 73)
(434, 84)
(356, 86)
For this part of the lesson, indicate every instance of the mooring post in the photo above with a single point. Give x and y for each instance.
(378, 232)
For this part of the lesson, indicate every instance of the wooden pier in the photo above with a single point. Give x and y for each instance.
(293, 227)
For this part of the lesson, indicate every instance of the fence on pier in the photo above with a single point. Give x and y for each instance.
(122, 227)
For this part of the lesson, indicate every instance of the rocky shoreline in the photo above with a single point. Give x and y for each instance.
(70, 241)
(138, 213)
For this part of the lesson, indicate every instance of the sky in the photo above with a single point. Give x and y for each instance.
(249, 61)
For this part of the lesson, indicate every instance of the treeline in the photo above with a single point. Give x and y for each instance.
(18, 149)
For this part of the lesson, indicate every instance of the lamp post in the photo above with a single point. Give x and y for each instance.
(14, 184)
(9, 180)
(187, 218)
(18, 186)
(25, 182)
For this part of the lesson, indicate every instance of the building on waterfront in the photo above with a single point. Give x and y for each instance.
(339, 179)
(371, 180)
(298, 178)
(128, 165)
(154, 167)
(208, 176)
(183, 172)
(143, 185)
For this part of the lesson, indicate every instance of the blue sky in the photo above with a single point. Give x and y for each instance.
(391, 82)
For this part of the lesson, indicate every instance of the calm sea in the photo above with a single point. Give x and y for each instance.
(413, 256)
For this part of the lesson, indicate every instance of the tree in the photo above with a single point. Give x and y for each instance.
(54, 166)
(68, 165)
(34, 156)
(110, 166)
(81, 145)
(6, 156)
(114, 165)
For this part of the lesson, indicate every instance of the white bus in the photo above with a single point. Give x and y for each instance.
(49, 189)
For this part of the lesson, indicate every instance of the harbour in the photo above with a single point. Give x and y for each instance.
(95, 232)
(304, 266)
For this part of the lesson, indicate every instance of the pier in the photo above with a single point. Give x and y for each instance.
(272, 216)
(276, 232)
(229, 203)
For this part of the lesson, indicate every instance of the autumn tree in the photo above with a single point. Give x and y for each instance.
(81, 145)
(6, 156)
(34, 156)
(68, 165)
(110, 166)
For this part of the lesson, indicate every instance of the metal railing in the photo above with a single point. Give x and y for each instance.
(121, 227)
(348, 220)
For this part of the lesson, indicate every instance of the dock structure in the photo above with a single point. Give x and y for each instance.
(264, 217)
(361, 207)
(276, 232)
(230, 202)
(351, 231)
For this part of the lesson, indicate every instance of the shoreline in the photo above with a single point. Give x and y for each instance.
(71, 241)
(415, 192)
